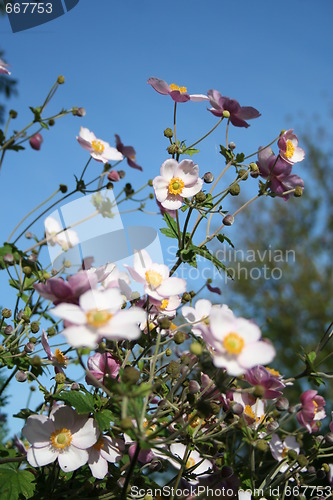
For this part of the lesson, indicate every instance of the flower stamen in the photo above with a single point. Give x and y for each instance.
(233, 343)
(98, 318)
(289, 153)
(97, 146)
(153, 278)
(61, 438)
(176, 185)
(173, 87)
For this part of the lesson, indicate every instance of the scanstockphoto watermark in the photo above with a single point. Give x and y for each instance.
(264, 264)
(24, 15)
(192, 491)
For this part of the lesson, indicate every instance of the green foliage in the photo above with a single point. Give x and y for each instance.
(82, 402)
(16, 483)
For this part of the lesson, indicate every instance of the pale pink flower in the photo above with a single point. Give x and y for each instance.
(279, 449)
(289, 148)
(99, 315)
(312, 410)
(98, 149)
(155, 277)
(177, 181)
(58, 359)
(101, 366)
(195, 462)
(236, 342)
(3, 68)
(55, 235)
(177, 93)
(106, 450)
(167, 307)
(64, 435)
(253, 408)
(199, 315)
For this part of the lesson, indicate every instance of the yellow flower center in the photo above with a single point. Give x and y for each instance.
(164, 304)
(60, 357)
(182, 90)
(173, 327)
(97, 146)
(176, 185)
(233, 343)
(98, 318)
(272, 371)
(153, 278)
(61, 438)
(190, 463)
(249, 412)
(285, 452)
(99, 445)
(290, 150)
(315, 405)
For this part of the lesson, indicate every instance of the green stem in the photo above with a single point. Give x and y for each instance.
(204, 136)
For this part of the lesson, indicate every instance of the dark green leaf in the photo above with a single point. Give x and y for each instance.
(240, 157)
(15, 482)
(103, 418)
(82, 402)
(222, 238)
(168, 232)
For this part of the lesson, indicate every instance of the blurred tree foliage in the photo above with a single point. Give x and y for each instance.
(293, 311)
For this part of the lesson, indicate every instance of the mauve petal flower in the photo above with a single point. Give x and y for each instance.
(72, 458)
(37, 457)
(178, 94)
(3, 68)
(113, 176)
(238, 114)
(289, 149)
(128, 152)
(159, 85)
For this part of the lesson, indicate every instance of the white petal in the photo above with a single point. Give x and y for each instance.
(70, 312)
(72, 458)
(38, 430)
(112, 154)
(192, 190)
(172, 202)
(188, 172)
(86, 135)
(135, 275)
(172, 286)
(98, 465)
(160, 185)
(103, 300)
(231, 365)
(142, 262)
(256, 353)
(168, 169)
(52, 226)
(80, 336)
(63, 417)
(87, 435)
(37, 457)
(189, 314)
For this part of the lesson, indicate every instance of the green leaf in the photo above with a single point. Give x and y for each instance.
(103, 418)
(228, 155)
(222, 238)
(172, 225)
(82, 402)
(191, 151)
(312, 356)
(240, 158)
(44, 125)
(168, 232)
(25, 413)
(204, 252)
(15, 482)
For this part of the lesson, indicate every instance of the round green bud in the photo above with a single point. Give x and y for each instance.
(282, 132)
(13, 114)
(234, 190)
(63, 188)
(27, 270)
(196, 348)
(60, 378)
(46, 275)
(51, 122)
(186, 297)
(148, 497)
(258, 391)
(34, 327)
(61, 79)
(109, 185)
(168, 133)
(151, 196)
(102, 346)
(131, 375)
(262, 445)
(326, 468)
(35, 361)
(51, 331)
(180, 337)
(226, 114)
(302, 460)
(209, 281)
(32, 388)
(168, 352)
(254, 167)
(164, 323)
(192, 293)
(6, 313)
(126, 423)
(172, 149)
(243, 173)
(292, 454)
(173, 369)
(150, 182)
(200, 197)
(298, 191)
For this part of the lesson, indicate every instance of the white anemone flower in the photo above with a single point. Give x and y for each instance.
(98, 149)
(106, 450)
(177, 181)
(195, 462)
(56, 236)
(279, 449)
(99, 315)
(155, 277)
(199, 315)
(64, 435)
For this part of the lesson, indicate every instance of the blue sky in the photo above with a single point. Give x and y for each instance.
(275, 57)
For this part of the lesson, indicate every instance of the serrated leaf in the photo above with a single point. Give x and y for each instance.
(168, 232)
(191, 151)
(240, 157)
(171, 223)
(204, 252)
(15, 482)
(82, 402)
(103, 419)
(222, 238)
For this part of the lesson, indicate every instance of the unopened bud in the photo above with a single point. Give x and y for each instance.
(6, 313)
(150, 182)
(60, 378)
(200, 197)
(243, 174)
(131, 375)
(329, 438)
(180, 337)
(34, 340)
(8, 330)
(208, 177)
(164, 323)
(258, 391)
(126, 423)
(326, 468)
(262, 445)
(51, 122)
(292, 454)
(168, 352)
(61, 79)
(196, 348)
(236, 408)
(282, 404)
(172, 149)
(226, 114)
(29, 347)
(21, 376)
(272, 426)
(173, 369)
(51, 331)
(234, 189)
(8, 258)
(228, 220)
(113, 175)
(36, 141)
(75, 386)
(63, 188)
(27, 270)
(302, 460)
(79, 112)
(36, 361)
(298, 191)
(193, 387)
(232, 146)
(168, 133)
(121, 174)
(13, 114)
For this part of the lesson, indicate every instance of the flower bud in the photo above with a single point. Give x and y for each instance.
(36, 141)
(172, 149)
(13, 114)
(282, 404)
(60, 378)
(298, 191)
(126, 424)
(36, 361)
(200, 197)
(128, 189)
(208, 177)
(243, 173)
(75, 386)
(326, 467)
(193, 387)
(173, 369)
(234, 189)
(6, 313)
(228, 220)
(33, 340)
(51, 331)
(81, 112)
(302, 460)
(164, 323)
(121, 174)
(150, 183)
(63, 188)
(51, 122)
(61, 79)
(8, 330)
(168, 352)
(27, 270)
(8, 258)
(262, 445)
(21, 376)
(180, 337)
(151, 196)
(272, 426)
(186, 297)
(29, 347)
(236, 408)
(258, 391)
(226, 114)
(196, 348)
(329, 438)
(292, 454)
(232, 145)
(113, 175)
(168, 133)
(131, 375)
